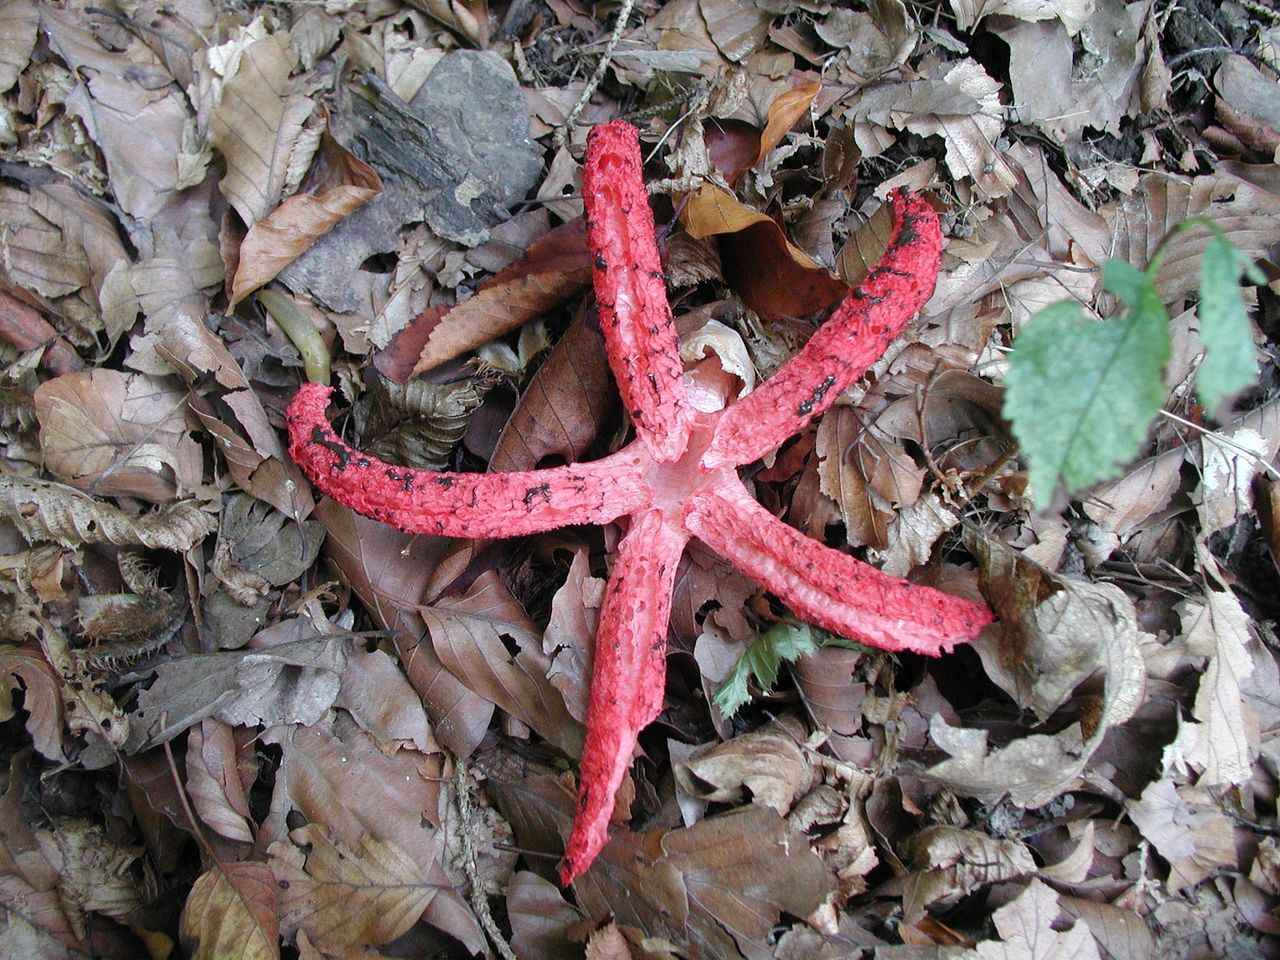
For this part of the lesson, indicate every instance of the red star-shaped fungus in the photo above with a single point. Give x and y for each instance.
(677, 479)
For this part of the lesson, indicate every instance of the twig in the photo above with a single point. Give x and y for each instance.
(562, 132)
(478, 901)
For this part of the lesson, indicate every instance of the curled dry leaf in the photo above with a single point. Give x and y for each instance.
(213, 781)
(43, 510)
(767, 766)
(773, 277)
(22, 668)
(1053, 634)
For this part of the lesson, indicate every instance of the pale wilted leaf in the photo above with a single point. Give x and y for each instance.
(19, 20)
(290, 682)
(1224, 739)
(346, 900)
(257, 125)
(1187, 828)
(1029, 930)
(1073, 13)
(95, 874)
(43, 510)
(570, 634)
(231, 912)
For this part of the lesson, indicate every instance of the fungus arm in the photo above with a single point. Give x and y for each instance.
(627, 677)
(457, 504)
(856, 335)
(827, 587)
(635, 318)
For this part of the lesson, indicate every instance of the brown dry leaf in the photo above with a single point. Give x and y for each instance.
(1052, 634)
(35, 253)
(1248, 215)
(564, 406)
(22, 668)
(874, 41)
(383, 703)
(89, 710)
(118, 434)
(467, 633)
(389, 570)
(1187, 828)
(540, 918)
(827, 684)
(785, 112)
(213, 781)
(346, 900)
(43, 510)
(1248, 103)
(467, 18)
(257, 126)
(714, 889)
(338, 777)
(867, 473)
(1223, 740)
(340, 185)
(951, 863)
(231, 912)
(766, 767)
(90, 230)
(1229, 460)
(771, 275)
(553, 268)
(738, 29)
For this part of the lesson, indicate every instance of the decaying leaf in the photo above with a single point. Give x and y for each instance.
(42, 510)
(950, 863)
(1051, 637)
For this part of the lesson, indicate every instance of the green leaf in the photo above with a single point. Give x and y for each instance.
(1230, 359)
(1082, 394)
(765, 655)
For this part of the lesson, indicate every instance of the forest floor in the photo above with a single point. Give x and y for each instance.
(240, 720)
